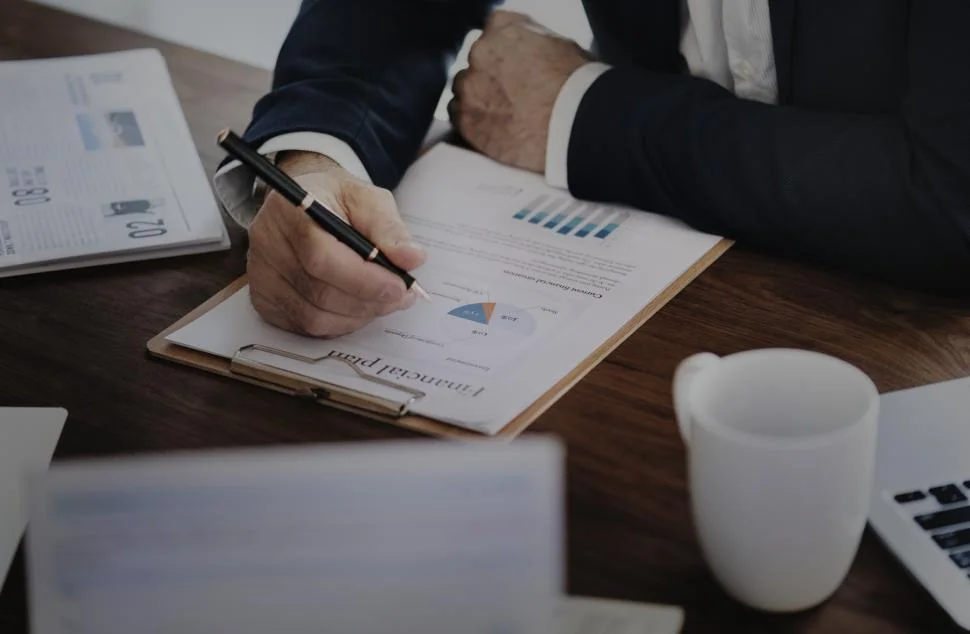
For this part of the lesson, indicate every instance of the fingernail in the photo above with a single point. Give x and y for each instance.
(409, 300)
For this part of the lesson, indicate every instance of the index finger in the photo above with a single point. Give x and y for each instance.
(327, 260)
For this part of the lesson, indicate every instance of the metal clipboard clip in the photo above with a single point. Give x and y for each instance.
(319, 390)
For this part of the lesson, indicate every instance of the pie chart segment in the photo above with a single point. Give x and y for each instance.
(499, 319)
(473, 312)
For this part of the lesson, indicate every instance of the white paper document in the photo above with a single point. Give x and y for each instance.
(28, 436)
(373, 538)
(97, 165)
(525, 281)
(585, 615)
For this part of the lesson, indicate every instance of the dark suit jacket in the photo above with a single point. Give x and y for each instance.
(863, 165)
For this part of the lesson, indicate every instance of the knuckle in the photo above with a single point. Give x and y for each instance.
(315, 262)
(478, 53)
(384, 200)
(351, 192)
(320, 295)
(312, 252)
(314, 322)
(391, 230)
(372, 287)
(459, 78)
(464, 89)
(497, 18)
(503, 17)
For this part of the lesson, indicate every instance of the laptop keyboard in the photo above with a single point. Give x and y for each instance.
(943, 511)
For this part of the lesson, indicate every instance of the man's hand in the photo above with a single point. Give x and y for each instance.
(504, 99)
(303, 279)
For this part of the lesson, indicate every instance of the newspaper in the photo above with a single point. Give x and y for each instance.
(97, 165)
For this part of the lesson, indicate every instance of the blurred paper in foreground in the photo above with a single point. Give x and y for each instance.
(416, 536)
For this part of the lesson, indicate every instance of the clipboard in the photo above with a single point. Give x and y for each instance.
(243, 367)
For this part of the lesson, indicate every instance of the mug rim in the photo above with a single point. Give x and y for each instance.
(707, 419)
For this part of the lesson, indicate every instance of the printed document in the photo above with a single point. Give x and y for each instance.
(97, 165)
(526, 283)
(372, 538)
(28, 436)
(585, 615)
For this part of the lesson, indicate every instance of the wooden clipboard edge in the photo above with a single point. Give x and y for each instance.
(543, 403)
(161, 348)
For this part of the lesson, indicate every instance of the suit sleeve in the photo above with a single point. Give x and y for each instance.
(882, 195)
(368, 72)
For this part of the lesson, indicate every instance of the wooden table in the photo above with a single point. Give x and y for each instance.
(77, 339)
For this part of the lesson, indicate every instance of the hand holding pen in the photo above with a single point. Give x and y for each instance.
(327, 254)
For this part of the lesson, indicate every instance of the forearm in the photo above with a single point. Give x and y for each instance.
(367, 72)
(862, 192)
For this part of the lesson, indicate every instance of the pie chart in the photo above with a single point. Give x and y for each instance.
(490, 322)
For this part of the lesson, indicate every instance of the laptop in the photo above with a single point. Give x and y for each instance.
(920, 505)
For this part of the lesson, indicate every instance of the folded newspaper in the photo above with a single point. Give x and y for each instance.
(97, 165)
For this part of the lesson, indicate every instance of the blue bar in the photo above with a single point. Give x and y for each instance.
(574, 222)
(607, 230)
(556, 220)
(594, 222)
(611, 226)
(569, 226)
(562, 215)
(539, 217)
(525, 211)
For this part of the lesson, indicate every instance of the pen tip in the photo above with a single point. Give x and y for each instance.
(223, 135)
(423, 294)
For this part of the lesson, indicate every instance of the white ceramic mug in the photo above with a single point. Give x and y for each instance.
(781, 446)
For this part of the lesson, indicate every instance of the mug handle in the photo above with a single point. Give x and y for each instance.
(684, 376)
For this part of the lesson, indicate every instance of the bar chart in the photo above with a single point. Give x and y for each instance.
(576, 219)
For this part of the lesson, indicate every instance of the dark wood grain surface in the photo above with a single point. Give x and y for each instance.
(77, 340)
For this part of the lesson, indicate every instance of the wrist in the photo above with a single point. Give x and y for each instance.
(564, 112)
(299, 162)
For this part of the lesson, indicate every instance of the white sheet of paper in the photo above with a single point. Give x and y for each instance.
(526, 282)
(382, 538)
(588, 615)
(28, 436)
(97, 165)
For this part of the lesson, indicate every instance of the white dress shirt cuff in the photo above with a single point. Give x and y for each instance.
(235, 184)
(561, 122)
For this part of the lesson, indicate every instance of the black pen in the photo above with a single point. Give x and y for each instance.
(330, 222)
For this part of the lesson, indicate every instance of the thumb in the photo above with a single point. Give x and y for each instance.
(373, 212)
